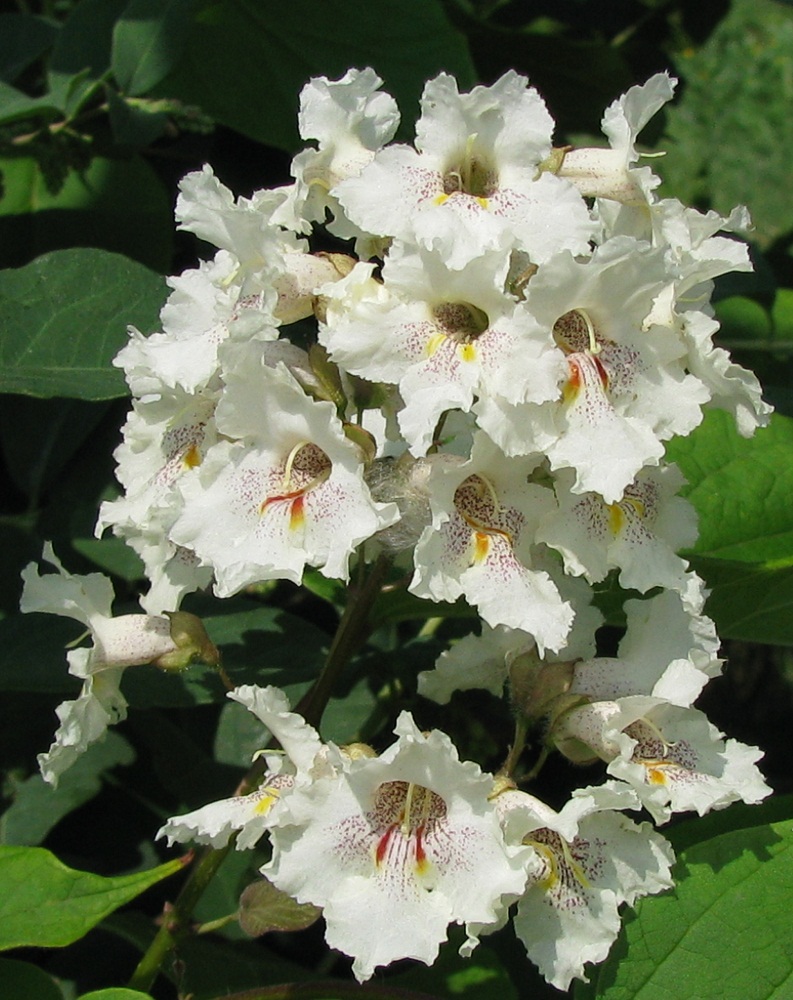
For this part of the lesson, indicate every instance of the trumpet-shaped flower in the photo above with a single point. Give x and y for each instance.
(484, 517)
(250, 815)
(443, 336)
(639, 534)
(670, 651)
(118, 643)
(584, 862)
(623, 390)
(351, 119)
(395, 848)
(472, 183)
(672, 757)
(611, 173)
(287, 493)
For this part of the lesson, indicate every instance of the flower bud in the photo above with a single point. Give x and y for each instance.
(192, 643)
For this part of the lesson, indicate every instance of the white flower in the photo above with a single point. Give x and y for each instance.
(610, 173)
(484, 517)
(669, 651)
(165, 436)
(288, 493)
(256, 812)
(585, 861)
(486, 660)
(351, 118)
(443, 336)
(394, 849)
(639, 534)
(623, 389)
(471, 183)
(118, 643)
(672, 757)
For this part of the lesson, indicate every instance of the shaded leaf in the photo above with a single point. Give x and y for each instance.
(115, 993)
(23, 38)
(245, 62)
(83, 49)
(23, 981)
(64, 318)
(118, 205)
(37, 807)
(147, 41)
(45, 904)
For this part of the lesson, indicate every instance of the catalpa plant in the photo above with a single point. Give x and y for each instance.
(451, 367)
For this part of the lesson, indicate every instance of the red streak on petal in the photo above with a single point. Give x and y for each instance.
(421, 854)
(294, 495)
(382, 845)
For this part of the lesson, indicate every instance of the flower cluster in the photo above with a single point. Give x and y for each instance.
(484, 394)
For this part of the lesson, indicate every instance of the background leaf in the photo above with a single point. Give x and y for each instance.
(37, 807)
(115, 204)
(47, 905)
(65, 317)
(245, 62)
(23, 981)
(147, 40)
(741, 488)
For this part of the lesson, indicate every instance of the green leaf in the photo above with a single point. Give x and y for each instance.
(37, 807)
(45, 904)
(64, 318)
(724, 934)
(717, 155)
(741, 489)
(83, 47)
(118, 205)
(115, 993)
(749, 602)
(23, 38)
(245, 62)
(111, 555)
(739, 816)
(147, 41)
(22, 981)
(15, 105)
(54, 430)
(135, 125)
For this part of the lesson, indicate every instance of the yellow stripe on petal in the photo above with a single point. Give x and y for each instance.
(434, 343)
(192, 457)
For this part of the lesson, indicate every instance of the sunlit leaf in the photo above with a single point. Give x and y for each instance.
(47, 905)
(724, 933)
